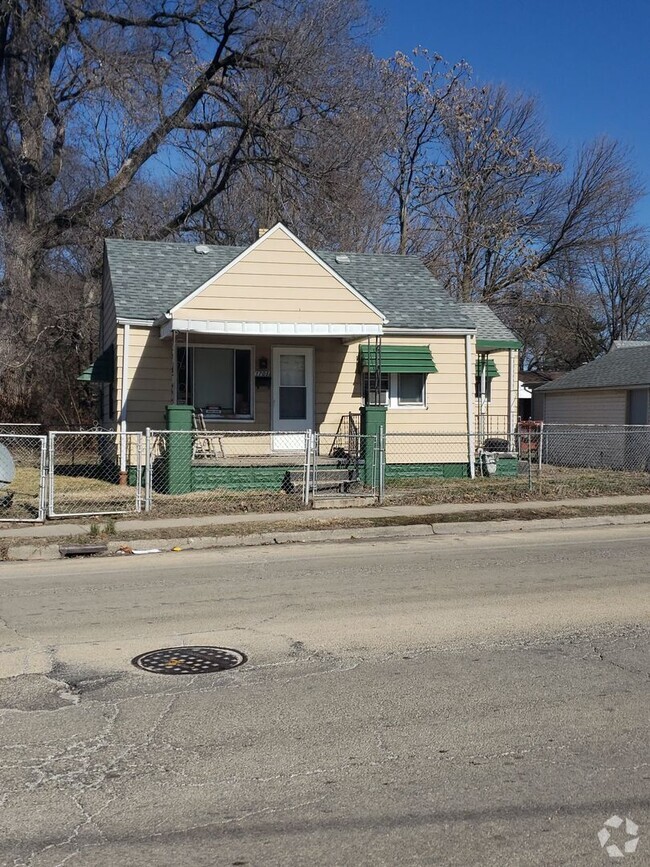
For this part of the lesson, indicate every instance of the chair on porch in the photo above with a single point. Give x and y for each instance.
(205, 443)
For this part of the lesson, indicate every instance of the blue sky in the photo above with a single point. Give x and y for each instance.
(587, 62)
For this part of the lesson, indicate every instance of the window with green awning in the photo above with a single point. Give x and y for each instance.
(102, 369)
(491, 370)
(397, 359)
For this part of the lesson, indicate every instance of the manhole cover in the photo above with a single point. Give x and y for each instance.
(189, 660)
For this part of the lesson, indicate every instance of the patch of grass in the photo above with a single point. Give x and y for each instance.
(338, 523)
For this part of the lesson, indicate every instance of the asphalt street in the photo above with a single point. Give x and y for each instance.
(451, 701)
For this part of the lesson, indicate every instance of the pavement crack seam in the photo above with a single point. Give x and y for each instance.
(618, 665)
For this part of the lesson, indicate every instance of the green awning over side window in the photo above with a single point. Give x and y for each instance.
(398, 359)
(102, 369)
(490, 368)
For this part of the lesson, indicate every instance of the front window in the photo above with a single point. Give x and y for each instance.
(370, 388)
(216, 380)
(410, 389)
(396, 389)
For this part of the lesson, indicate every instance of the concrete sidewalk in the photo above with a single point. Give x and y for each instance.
(60, 530)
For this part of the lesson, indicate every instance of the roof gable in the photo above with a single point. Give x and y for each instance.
(278, 277)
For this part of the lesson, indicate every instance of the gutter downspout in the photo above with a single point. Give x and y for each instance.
(125, 395)
(471, 446)
(511, 403)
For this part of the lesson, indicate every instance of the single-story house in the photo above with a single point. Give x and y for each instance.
(612, 389)
(278, 337)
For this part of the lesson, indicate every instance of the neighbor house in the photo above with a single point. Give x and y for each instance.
(278, 337)
(613, 389)
(586, 411)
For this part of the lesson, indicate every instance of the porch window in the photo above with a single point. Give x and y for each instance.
(216, 380)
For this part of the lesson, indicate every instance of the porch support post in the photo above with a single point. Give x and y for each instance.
(179, 448)
(373, 423)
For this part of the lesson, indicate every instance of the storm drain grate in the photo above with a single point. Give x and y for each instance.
(189, 660)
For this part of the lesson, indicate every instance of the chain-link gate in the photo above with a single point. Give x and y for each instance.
(344, 466)
(22, 477)
(94, 473)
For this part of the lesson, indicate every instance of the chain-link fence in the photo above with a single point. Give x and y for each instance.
(347, 465)
(614, 447)
(22, 477)
(422, 466)
(94, 473)
(22, 428)
(203, 472)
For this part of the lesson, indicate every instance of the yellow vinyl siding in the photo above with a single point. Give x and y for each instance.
(149, 377)
(278, 282)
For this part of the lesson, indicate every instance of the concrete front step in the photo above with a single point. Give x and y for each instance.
(344, 501)
(327, 478)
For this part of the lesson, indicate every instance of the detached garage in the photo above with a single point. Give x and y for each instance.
(585, 412)
(613, 389)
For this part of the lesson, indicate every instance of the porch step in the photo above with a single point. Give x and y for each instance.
(344, 501)
(327, 479)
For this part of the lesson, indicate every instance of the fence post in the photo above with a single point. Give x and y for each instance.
(50, 473)
(314, 464)
(42, 490)
(306, 479)
(530, 465)
(382, 464)
(147, 470)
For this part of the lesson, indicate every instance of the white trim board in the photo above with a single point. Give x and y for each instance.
(277, 329)
(280, 227)
(138, 323)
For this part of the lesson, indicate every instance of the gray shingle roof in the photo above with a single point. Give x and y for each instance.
(619, 368)
(488, 324)
(149, 278)
(402, 288)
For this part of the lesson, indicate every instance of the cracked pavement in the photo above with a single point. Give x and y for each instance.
(453, 701)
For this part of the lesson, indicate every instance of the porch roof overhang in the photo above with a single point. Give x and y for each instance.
(274, 329)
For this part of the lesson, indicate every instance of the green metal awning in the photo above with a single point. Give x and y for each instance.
(102, 369)
(398, 359)
(490, 368)
(493, 345)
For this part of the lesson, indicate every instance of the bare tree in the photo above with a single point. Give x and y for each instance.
(103, 109)
(619, 273)
(410, 129)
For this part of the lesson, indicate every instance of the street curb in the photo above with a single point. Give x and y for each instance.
(463, 528)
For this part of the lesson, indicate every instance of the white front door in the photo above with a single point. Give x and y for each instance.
(292, 375)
